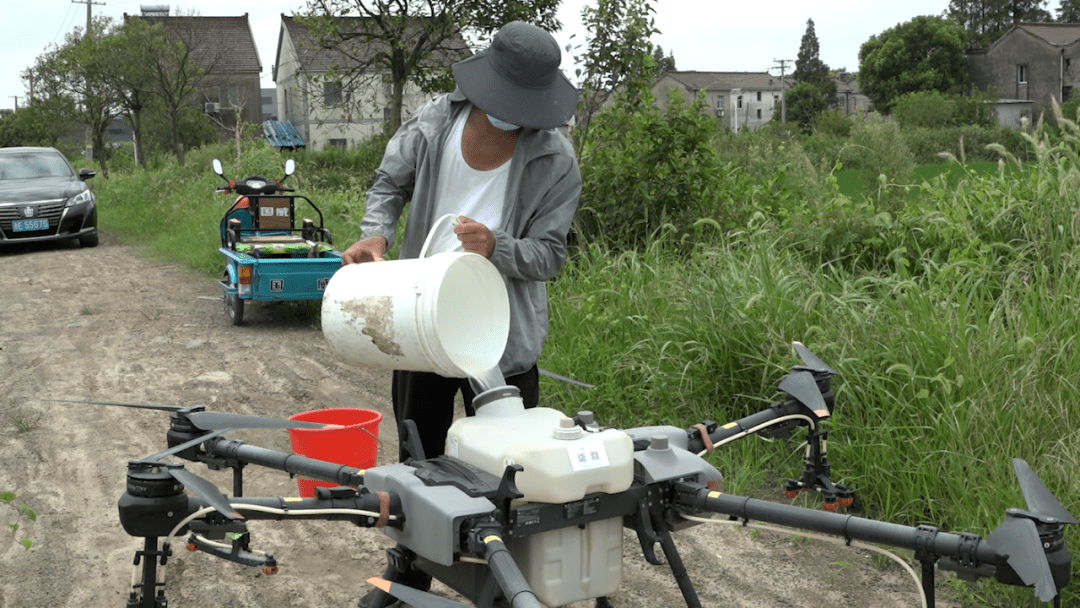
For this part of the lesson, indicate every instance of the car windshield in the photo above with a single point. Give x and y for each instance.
(33, 165)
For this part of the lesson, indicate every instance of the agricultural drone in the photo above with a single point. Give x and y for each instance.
(487, 521)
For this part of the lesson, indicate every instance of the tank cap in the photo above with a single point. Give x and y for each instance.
(586, 417)
(658, 442)
(567, 430)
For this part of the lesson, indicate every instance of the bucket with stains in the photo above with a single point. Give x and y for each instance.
(447, 313)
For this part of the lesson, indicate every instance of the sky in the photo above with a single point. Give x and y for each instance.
(707, 36)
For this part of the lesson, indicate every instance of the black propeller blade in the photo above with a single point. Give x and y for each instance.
(156, 458)
(1018, 537)
(142, 406)
(802, 387)
(813, 363)
(203, 489)
(212, 421)
(414, 597)
(1038, 498)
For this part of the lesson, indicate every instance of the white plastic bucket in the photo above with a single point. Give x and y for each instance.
(447, 314)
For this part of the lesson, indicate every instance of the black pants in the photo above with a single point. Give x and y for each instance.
(428, 400)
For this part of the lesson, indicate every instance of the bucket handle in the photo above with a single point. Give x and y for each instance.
(453, 222)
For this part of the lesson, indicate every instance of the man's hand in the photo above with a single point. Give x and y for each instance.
(370, 249)
(475, 237)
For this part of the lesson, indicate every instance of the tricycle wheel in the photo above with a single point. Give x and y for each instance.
(234, 307)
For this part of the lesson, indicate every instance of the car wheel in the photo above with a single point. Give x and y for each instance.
(89, 240)
(234, 308)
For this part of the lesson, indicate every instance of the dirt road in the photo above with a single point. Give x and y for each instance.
(106, 324)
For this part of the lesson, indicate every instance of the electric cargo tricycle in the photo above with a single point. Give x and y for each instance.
(267, 257)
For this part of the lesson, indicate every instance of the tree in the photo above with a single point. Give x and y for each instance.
(924, 54)
(805, 102)
(810, 70)
(177, 59)
(413, 42)
(617, 58)
(984, 21)
(665, 63)
(809, 67)
(38, 123)
(1069, 11)
(72, 77)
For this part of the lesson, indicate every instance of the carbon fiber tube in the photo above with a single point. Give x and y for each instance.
(969, 548)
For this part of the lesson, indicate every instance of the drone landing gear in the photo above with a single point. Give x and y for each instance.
(147, 594)
(816, 475)
(651, 531)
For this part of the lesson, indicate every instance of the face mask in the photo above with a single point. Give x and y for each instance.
(502, 124)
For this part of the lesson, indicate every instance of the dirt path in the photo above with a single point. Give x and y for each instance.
(106, 324)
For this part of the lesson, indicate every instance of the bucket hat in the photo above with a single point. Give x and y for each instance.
(517, 78)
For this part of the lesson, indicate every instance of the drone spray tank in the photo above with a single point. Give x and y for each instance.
(562, 463)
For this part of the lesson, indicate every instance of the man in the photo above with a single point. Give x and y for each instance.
(488, 153)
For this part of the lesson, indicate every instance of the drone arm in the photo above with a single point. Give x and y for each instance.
(285, 461)
(743, 426)
(973, 552)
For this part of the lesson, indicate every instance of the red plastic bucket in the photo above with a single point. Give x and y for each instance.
(355, 443)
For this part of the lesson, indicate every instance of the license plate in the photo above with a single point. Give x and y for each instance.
(28, 225)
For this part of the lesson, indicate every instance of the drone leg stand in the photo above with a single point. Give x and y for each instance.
(150, 597)
(816, 474)
(682, 577)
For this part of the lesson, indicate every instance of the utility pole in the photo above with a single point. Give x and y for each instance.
(16, 98)
(89, 16)
(783, 97)
(89, 20)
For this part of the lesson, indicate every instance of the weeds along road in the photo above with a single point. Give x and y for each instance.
(106, 324)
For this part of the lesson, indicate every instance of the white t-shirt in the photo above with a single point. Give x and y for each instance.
(462, 190)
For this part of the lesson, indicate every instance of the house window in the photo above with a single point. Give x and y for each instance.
(720, 102)
(759, 95)
(776, 98)
(332, 93)
(1021, 73)
(739, 102)
(386, 114)
(759, 113)
(228, 96)
(337, 143)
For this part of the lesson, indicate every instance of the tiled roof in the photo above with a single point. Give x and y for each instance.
(726, 81)
(1057, 34)
(222, 44)
(315, 58)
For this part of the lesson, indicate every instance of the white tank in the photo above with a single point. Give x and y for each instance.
(562, 463)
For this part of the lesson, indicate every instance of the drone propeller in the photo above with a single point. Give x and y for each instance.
(1038, 498)
(813, 363)
(143, 406)
(414, 597)
(212, 421)
(801, 386)
(199, 486)
(1018, 536)
(203, 489)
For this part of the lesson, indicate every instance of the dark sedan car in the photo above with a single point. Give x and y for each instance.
(42, 198)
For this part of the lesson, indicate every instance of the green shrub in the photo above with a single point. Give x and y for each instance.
(644, 167)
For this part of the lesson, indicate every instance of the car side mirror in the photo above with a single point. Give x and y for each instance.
(85, 174)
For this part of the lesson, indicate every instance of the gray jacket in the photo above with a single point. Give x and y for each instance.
(530, 246)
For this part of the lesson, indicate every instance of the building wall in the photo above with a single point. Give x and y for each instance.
(755, 111)
(301, 100)
(1049, 71)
